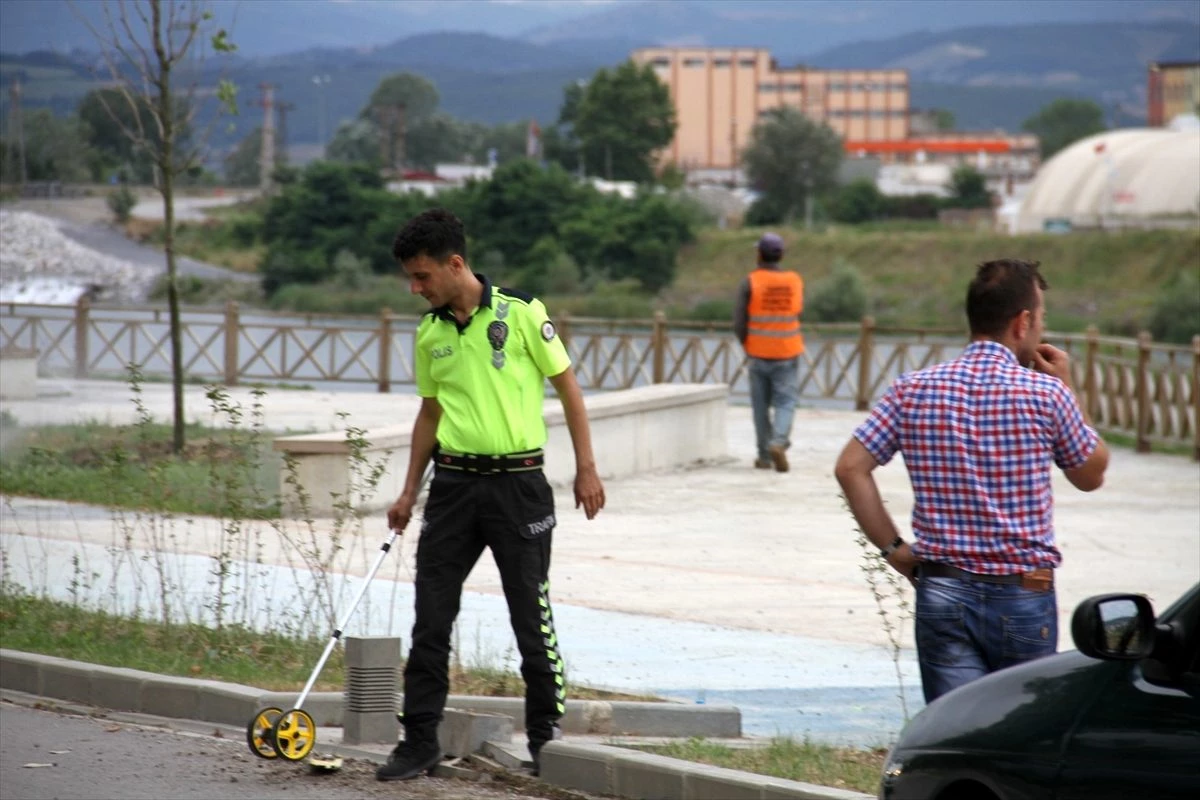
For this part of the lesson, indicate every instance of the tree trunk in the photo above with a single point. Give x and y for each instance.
(167, 175)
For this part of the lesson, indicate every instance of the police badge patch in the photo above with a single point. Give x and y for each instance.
(497, 334)
(547, 330)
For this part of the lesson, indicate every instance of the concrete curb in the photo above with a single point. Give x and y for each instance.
(233, 704)
(592, 768)
(600, 769)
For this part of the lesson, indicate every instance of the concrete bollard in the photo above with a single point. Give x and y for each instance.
(371, 690)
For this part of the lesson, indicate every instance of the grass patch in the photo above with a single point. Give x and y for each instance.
(133, 467)
(917, 276)
(228, 242)
(840, 767)
(233, 654)
(1129, 441)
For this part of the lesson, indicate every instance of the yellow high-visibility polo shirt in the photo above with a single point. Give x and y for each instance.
(489, 374)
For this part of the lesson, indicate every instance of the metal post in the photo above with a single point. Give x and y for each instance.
(1142, 390)
(659, 343)
(231, 343)
(862, 395)
(81, 337)
(385, 350)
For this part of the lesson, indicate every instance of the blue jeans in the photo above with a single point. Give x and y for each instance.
(966, 629)
(774, 384)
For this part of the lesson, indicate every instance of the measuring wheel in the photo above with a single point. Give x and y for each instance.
(294, 735)
(259, 733)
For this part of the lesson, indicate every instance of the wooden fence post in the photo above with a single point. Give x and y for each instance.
(231, 343)
(564, 331)
(1142, 392)
(1091, 403)
(1196, 397)
(658, 341)
(866, 336)
(81, 337)
(385, 350)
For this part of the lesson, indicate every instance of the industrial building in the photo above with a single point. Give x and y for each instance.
(1137, 177)
(720, 94)
(1172, 88)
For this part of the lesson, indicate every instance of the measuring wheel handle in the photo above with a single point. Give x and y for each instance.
(259, 733)
(294, 735)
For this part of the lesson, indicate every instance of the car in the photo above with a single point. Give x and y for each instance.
(1117, 718)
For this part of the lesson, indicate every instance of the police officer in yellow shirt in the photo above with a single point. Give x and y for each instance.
(482, 356)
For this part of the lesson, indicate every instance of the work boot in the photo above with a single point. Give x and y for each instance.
(411, 758)
(779, 457)
(762, 463)
(535, 749)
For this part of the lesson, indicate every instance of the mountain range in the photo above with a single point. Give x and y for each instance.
(990, 63)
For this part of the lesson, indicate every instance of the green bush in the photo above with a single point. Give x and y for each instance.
(333, 207)
(712, 311)
(376, 293)
(622, 299)
(839, 297)
(1176, 314)
(764, 211)
(194, 291)
(858, 201)
(121, 202)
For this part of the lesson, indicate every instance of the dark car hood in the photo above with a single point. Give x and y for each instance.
(1027, 708)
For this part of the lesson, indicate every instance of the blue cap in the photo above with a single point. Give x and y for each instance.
(770, 243)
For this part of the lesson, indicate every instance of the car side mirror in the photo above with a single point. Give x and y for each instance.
(1114, 627)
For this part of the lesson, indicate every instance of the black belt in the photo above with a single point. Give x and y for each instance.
(528, 461)
(1039, 579)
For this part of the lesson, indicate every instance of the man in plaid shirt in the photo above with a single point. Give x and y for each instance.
(978, 436)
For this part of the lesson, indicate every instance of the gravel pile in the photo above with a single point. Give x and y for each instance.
(39, 264)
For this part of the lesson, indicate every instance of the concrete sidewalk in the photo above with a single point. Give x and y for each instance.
(728, 545)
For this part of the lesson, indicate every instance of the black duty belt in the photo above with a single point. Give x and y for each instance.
(528, 461)
(1041, 580)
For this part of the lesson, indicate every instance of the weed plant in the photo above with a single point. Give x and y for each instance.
(895, 610)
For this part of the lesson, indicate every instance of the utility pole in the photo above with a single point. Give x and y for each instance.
(391, 141)
(16, 131)
(321, 81)
(284, 108)
(266, 158)
(733, 153)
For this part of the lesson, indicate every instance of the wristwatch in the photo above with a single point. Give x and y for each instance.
(891, 548)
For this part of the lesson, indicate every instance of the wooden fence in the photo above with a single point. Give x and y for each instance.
(1137, 387)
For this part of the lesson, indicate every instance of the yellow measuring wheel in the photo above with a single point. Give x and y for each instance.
(294, 735)
(259, 732)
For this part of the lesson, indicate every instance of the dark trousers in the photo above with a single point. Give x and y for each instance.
(512, 514)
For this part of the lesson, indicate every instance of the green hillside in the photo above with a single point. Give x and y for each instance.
(919, 277)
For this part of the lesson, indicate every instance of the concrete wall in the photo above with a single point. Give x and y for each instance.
(18, 374)
(634, 430)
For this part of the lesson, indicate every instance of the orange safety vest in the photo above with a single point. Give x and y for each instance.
(773, 329)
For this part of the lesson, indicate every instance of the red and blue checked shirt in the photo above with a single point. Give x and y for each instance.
(978, 435)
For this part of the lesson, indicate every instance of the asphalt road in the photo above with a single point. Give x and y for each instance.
(104, 239)
(50, 754)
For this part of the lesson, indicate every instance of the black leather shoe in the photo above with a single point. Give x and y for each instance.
(408, 760)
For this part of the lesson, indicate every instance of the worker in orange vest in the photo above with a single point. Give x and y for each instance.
(767, 322)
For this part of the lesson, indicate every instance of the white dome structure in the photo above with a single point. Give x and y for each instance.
(1137, 176)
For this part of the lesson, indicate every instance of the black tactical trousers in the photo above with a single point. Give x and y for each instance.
(512, 514)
